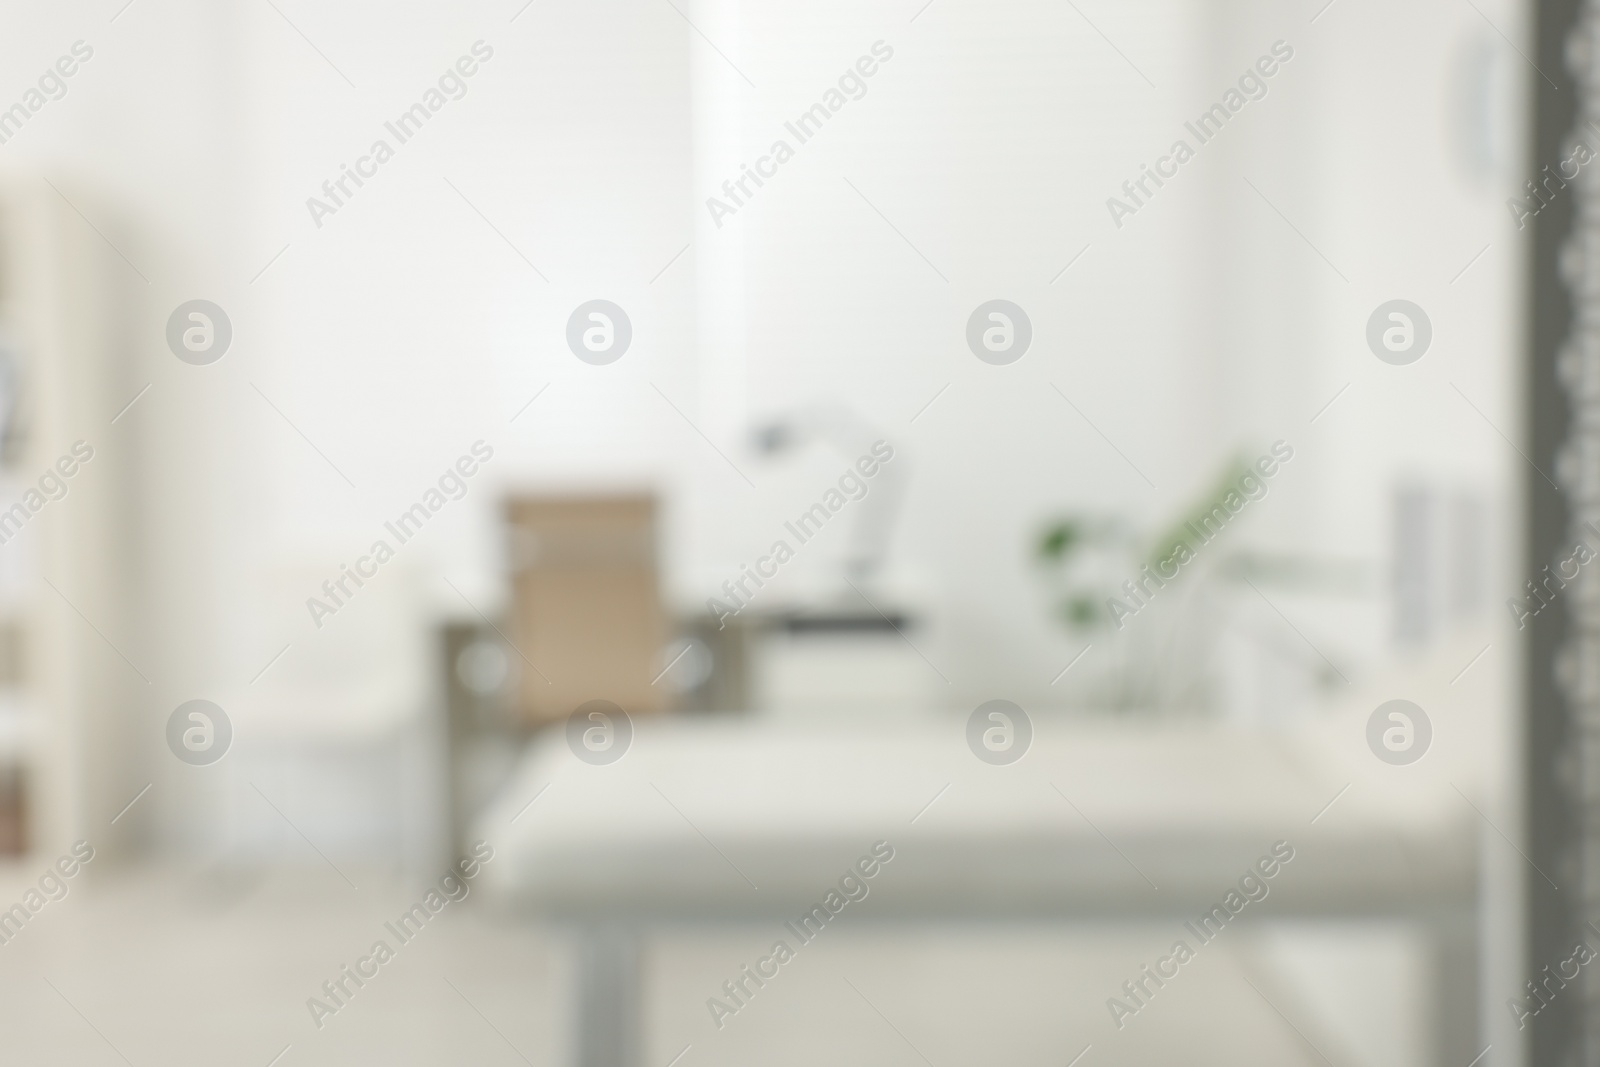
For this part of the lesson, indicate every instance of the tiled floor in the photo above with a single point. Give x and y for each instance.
(177, 967)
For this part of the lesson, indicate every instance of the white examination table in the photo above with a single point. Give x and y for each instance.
(706, 820)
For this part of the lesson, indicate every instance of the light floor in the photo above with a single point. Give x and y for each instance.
(172, 968)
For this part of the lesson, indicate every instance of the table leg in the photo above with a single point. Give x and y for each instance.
(1458, 1033)
(608, 996)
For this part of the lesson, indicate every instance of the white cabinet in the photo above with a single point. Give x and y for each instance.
(68, 687)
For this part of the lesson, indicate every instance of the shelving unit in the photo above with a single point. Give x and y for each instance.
(67, 710)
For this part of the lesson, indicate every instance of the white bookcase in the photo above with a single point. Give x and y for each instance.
(69, 702)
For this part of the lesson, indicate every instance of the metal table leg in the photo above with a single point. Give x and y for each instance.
(608, 996)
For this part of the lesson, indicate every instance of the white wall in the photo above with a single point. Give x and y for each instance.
(405, 327)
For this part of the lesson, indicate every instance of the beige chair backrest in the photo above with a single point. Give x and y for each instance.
(586, 604)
